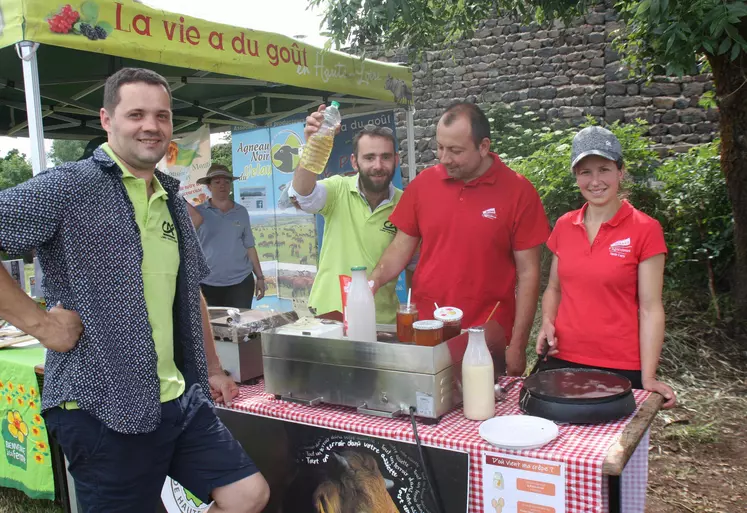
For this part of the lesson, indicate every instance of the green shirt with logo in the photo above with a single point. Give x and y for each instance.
(353, 236)
(160, 267)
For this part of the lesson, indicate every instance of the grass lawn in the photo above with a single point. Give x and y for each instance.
(13, 501)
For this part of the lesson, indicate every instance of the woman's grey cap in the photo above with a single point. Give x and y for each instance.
(595, 140)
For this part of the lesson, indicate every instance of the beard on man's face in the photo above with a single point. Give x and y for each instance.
(377, 185)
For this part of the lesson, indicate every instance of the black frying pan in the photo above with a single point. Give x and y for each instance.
(576, 396)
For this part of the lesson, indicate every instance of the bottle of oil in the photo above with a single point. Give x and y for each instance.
(319, 146)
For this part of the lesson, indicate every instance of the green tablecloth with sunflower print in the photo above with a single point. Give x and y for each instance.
(25, 461)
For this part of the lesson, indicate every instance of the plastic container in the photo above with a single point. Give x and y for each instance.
(478, 382)
(428, 333)
(360, 311)
(317, 149)
(452, 319)
(406, 316)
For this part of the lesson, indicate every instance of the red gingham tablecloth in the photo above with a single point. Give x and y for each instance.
(582, 448)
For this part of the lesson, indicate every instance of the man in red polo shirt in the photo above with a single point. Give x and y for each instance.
(481, 226)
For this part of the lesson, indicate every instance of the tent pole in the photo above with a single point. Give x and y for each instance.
(411, 170)
(27, 52)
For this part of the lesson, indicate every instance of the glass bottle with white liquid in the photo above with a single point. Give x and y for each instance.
(360, 310)
(477, 378)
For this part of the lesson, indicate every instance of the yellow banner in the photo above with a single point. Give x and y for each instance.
(132, 30)
(11, 22)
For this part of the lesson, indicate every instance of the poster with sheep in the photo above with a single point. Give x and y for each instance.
(264, 160)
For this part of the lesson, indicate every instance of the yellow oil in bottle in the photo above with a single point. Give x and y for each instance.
(316, 152)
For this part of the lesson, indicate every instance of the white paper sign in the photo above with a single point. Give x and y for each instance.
(514, 484)
(188, 159)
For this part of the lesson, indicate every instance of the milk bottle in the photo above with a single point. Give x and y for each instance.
(360, 310)
(477, 378)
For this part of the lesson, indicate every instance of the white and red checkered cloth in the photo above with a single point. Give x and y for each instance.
(583, 448)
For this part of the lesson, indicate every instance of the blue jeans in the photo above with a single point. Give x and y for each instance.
(118, 473)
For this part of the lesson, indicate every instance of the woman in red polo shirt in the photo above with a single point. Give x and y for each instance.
(602, 307)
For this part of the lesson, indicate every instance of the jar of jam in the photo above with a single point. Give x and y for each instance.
(452, 319)
(406, 316)
(428, 333)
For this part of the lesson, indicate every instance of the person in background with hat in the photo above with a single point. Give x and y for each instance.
(602, 307)
(225, 234)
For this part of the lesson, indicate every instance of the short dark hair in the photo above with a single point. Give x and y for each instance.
(130, 76)
(477, 119)
(373, 131)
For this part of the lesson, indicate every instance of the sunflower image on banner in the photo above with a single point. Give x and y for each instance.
(25, 456)
(188, 159)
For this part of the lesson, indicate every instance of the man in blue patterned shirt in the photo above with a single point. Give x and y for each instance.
(126, 396)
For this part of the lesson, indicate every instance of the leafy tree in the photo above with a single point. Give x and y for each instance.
(660, 36)
(14, 169)
(697, 220)
(66, 150)
(419, 24)
(516, 134)
(221, 153)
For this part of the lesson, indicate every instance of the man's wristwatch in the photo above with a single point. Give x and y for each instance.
(260, 278)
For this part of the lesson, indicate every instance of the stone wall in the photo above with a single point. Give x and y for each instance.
(561, 73)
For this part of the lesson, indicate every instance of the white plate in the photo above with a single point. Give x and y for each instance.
(518, 432)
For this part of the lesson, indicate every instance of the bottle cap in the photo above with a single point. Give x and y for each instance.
(358, 268)
(335, 105)
(476, 329)
(427, 325)
(448, 314)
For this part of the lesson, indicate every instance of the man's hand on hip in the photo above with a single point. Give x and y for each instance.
(61, 329)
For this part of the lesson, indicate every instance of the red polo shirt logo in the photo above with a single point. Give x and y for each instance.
(489, 213)
(620, 248)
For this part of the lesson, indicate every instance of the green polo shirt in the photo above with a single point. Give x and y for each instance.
(160, 267)
(353, 236)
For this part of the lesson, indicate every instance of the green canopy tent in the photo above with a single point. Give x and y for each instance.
(54, 61)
